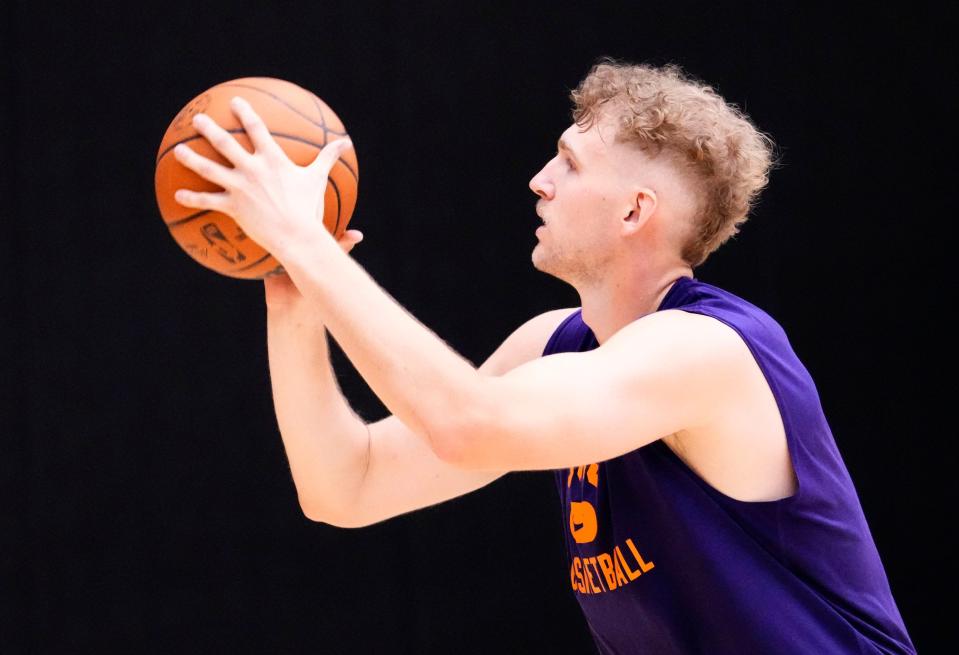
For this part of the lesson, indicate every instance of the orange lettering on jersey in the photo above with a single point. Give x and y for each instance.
(606, 562)
(591, 585)
(592, 474)
(622, 560)
(576, 575)
(599, 576)
(590, 470)
(612, 570)
(620, 578)
(639, 558)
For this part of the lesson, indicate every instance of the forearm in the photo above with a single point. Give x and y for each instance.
(325, 442)
(426, 384)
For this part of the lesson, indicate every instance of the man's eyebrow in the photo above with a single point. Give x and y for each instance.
(562, 145)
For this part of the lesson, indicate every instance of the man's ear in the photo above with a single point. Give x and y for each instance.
(641, 211)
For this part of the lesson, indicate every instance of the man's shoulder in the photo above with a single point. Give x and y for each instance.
(725, 306)
(676, 337)
(678, 323)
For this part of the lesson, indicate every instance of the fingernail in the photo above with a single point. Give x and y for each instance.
(198, 119)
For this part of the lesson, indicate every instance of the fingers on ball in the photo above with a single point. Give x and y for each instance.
(201, 200)
(202, 166)
(255, 127)
(220, 139)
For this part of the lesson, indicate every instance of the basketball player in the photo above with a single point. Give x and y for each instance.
(708, 508)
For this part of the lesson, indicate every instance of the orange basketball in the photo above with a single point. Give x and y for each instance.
(300, 122)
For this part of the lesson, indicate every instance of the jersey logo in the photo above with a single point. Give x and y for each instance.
(582, 515)
(582, 522)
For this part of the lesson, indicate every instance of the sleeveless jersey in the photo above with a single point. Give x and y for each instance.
(661, 562)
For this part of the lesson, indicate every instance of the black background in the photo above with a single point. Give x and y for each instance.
(147, 502)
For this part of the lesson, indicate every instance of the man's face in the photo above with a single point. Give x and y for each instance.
(584, 192)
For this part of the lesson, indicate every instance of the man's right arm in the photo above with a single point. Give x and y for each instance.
(351, 474)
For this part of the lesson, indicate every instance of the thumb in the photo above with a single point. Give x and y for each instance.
(349, 239)
(325, 161)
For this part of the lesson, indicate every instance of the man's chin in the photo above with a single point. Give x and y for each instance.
(537, 257)
(542, 263)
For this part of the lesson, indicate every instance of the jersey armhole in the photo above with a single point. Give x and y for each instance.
(784, 416)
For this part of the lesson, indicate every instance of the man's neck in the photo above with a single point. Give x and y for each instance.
(621, 299)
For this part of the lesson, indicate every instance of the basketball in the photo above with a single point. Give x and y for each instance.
(300, 122)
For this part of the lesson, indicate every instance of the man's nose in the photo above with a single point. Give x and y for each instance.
(541, 186)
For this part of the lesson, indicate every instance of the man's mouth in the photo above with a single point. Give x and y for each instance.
(538, 208)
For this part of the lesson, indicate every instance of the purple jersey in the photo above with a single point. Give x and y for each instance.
(661, 562)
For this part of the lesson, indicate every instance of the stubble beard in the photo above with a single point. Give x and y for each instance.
(577, 267)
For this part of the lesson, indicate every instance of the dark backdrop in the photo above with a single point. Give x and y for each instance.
(147, 503)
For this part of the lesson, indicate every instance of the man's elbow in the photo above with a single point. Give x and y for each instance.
(451, 449)
(315, 511)
(320, 513)
(463, 442)
(462, 433)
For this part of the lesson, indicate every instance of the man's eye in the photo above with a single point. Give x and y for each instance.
(569, 162)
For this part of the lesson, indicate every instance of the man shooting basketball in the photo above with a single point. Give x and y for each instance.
(708, 507)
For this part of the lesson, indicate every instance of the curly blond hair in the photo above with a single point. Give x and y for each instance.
(714, 145)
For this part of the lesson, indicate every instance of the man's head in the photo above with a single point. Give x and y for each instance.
(655, 164)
